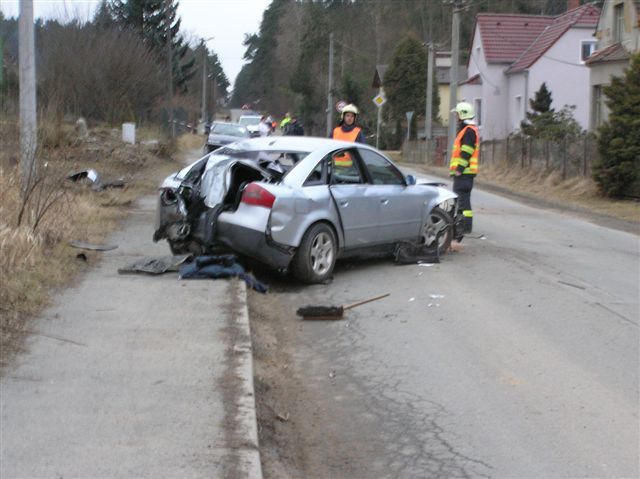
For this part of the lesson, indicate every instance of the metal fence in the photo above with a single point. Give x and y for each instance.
(570, 157)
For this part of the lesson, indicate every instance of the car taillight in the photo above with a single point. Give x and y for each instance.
(255, 194)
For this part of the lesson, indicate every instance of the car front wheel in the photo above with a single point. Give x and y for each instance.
(440, 228)
(316, 256)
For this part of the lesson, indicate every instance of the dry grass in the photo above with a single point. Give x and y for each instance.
(578, 191)
(190, 142)
(33, 262)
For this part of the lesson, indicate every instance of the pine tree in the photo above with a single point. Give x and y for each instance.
(155, 21)
(542, 117)
(405, 80)
(618, 168)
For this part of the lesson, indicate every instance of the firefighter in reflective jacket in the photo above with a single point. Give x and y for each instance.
(464, 162)
(347, 131)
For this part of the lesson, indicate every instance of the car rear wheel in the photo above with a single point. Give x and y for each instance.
(316, 256)
(440, 228)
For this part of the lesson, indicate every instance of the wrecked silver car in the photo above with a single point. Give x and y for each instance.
(300, 203)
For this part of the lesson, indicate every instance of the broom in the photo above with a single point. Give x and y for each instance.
(332, 312)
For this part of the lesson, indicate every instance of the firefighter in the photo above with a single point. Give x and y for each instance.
(347, 129)
(464, 162)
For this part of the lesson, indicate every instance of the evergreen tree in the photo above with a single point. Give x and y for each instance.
(542, 117)
(405, 80)
(618, 168)
(104, 17)
(155, 21)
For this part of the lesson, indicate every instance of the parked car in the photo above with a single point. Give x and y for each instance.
(222, 133)
(251, 123)
(299, 203)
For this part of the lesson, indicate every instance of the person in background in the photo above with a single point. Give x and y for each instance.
(464, 162)
(264, 127)
(285, 121)
(294, 127)
(347, 130)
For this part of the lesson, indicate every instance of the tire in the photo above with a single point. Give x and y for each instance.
(442, 223)
(316, 256)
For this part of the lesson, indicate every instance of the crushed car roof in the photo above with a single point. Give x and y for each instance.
(291, 143)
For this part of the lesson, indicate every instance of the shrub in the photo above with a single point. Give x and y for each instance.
(617, 169)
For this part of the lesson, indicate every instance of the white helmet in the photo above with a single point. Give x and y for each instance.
(350, 108)
(464, 110)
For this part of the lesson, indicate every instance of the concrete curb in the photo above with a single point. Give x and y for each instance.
(247, 419)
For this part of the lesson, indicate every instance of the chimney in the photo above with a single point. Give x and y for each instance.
(571, 4)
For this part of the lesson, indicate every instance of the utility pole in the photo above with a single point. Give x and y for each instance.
(28, 119)
(205, 56)
(169, 40)
(330, 83)
(429, 106)
(428, 114)
(453, 85)
(204, 83)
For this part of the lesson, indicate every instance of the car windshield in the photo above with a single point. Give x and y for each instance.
(229, 129)
(249, 120)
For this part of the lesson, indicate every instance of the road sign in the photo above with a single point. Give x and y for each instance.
(379, 99)
(340, 105)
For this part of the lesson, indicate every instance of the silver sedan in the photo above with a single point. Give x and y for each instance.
(300, 203)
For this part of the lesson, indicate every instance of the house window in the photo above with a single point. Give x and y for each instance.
(587, 47)
(477, 106)
(618, 22)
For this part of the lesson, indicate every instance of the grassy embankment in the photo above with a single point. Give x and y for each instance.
(579, 192)
(35, 255)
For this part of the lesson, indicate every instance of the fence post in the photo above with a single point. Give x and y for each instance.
(493, 152)
(547, 153)
(584, 156)
(564, 158)
(507, 151)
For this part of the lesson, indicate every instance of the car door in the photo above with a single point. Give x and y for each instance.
(399, 205)
(354, 199)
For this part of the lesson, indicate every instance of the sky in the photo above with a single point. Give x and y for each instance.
(225, 20)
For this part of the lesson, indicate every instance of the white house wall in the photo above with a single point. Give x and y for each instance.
(518, 101)
(566, 76)
(492, 91)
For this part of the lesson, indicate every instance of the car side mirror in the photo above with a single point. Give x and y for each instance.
(410, 180)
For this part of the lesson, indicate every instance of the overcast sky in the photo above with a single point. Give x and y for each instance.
(225, 20)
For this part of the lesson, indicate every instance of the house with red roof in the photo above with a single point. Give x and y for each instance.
(618, 37)
(512, 55)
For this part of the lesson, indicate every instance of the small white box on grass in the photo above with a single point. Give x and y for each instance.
(129, 133)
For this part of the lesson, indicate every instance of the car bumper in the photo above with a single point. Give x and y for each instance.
(254, 244)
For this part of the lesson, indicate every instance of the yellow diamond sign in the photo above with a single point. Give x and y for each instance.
(379, 100)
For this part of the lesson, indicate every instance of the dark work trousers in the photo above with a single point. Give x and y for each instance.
(462, 186)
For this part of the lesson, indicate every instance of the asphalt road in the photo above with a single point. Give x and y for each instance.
(517, 357)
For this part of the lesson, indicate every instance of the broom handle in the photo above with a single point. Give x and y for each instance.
(353, 305)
